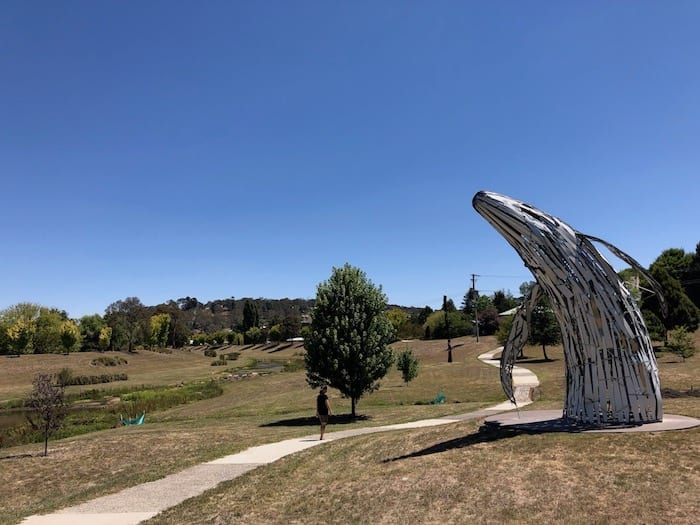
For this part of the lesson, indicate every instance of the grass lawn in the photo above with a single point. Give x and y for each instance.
(448, 474)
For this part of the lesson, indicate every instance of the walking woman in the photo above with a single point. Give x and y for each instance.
(323, 409)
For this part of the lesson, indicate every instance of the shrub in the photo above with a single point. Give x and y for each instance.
(109, 361)
(64, 377)
(680, 343)
(92, 380)
(408, 365)
(210, 352)
(219, 362)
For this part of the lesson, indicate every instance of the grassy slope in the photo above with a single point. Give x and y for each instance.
(449, 474)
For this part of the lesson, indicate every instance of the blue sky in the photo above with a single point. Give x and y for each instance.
(217, 149)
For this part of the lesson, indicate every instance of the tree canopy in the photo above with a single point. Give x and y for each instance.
(347, 345)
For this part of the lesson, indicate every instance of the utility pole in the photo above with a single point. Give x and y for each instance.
(476, 313)
(447, 328)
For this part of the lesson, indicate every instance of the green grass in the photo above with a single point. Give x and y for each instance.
(448, 474)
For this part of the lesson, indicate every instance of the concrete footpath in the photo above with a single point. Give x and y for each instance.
(133, 505)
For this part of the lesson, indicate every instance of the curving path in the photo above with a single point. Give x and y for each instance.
(523, 380)
(135, 504)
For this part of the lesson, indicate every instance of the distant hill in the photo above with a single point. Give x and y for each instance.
(222, 314)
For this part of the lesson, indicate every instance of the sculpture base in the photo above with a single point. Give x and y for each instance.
(552, 421)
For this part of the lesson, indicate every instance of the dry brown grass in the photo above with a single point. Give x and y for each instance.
(450, 474)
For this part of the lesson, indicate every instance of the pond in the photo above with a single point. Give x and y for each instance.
(11, 417)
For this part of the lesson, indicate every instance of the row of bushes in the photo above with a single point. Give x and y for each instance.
(109, 361)
(94, 380)
(66, 378)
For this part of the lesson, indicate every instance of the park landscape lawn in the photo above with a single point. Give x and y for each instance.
(448, 474)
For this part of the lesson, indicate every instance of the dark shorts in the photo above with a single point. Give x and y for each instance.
(323, 418)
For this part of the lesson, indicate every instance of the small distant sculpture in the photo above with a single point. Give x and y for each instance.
(611, 372)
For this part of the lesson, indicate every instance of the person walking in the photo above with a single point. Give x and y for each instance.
(323, 409)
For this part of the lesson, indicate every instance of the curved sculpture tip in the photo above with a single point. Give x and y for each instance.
(480, 196)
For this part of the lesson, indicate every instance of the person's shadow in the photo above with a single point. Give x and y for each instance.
(312, 421)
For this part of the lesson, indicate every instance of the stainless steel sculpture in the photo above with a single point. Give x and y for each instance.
(611, 372)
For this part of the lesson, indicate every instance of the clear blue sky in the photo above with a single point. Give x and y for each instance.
(163, 149)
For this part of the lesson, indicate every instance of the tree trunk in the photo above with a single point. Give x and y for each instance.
(46, 443)
(544, 351)
(353, 403)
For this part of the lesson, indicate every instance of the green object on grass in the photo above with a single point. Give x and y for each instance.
(135, 421)
(439, 399)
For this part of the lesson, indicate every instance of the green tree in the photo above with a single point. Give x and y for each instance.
(691, 281)
(421, 316)
(407, 364)
(469, 302)
(47, 407)
(680, 309)
(503, 301)
(254, 335)
(125, 317)
(49, 325)
(70, 336)
(399, 320)
(105, 338)
(681, 343)
(160, 329)
(488, 321)
(290, 327)
(275, 334)
(544, 328)
(347, 344)
(90, 327)
(18, 324)
(21, 335)
(504, 327)
(437, 324)
(251, 317)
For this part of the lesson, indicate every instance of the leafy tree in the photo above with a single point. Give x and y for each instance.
(469, 302)
(21, 335)
(436, 327)
(398, 319)
(125, 317)
(347, 344)
(178, 331)
(90, 328)
(504, 327)
(488, 321)
(681, 343)
(275, 334)
(681, 310)
(48, 407)
(691, 280)
(160, 328)
(105, 338)
(290, 327)
(250, 316)
(675, 261)
(49, 326)
(254, 335)
(234, 338)
(544, 327)
(422, 316)
(407, 364)
(70, 336)
(503, 301)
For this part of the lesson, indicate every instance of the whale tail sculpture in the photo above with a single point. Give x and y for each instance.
(611, 372)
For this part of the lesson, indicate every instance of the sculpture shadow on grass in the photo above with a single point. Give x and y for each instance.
(489, 433)
(312, 421)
